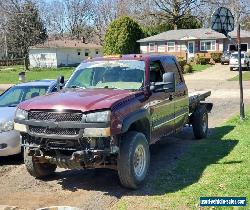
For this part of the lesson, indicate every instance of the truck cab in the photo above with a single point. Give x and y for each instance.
(110, 111)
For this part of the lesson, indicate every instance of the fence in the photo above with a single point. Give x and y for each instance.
(11, 62)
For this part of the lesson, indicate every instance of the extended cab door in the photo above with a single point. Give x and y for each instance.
(180, 96)
(161, 105)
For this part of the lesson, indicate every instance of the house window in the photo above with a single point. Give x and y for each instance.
(151, 47)
(161, 48)
(86, 52)
(171, 46)
(208, 45)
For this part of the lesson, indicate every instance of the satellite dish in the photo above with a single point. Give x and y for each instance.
(223, 21)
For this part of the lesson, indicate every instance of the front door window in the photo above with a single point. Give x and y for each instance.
(190, 49)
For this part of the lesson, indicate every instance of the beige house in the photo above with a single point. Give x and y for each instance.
(57, 53)
(192, 41)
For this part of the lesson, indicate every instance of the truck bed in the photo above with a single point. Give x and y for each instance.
(195, 99)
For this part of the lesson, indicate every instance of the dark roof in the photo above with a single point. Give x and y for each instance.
(66, 44)
(192, 34)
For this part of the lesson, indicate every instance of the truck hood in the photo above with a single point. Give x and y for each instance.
(7, 114)
(76, 99)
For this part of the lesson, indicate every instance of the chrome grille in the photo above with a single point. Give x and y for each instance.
(54, 131)
(55, 116)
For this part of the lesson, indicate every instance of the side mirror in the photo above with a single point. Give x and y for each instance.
(167, 85)
(60, 82)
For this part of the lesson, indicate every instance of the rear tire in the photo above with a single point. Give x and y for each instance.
(231, 68)
(200, 122)
(133, 161)
(38, 170)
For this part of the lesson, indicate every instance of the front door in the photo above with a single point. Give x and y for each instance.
(161, 105)
(191, 46)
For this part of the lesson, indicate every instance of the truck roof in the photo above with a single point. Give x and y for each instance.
(129, 57)
(44, 82)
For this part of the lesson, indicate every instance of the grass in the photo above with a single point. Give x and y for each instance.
(245, 77)
(9, 75)
(199, 67)
(217, 166)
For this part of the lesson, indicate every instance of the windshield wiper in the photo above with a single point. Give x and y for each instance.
(76, 86)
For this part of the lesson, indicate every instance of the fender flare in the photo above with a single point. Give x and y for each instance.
(133, 117)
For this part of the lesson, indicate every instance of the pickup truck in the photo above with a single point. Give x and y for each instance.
(108, 114)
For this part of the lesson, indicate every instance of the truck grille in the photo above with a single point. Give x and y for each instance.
(55, 116)
(54, 131)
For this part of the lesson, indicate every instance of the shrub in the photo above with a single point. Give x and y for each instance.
(182, 62)
(202, 60)
(187, 69)
(216, 57)
(121, 37)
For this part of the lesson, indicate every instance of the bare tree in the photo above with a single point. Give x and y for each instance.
(173, 11)
(239, 8)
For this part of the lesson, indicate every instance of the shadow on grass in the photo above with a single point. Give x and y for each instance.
(175, 164)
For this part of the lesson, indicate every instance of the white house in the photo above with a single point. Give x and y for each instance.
(58, 53)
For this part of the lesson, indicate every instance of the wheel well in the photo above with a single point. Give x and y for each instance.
(142, 126)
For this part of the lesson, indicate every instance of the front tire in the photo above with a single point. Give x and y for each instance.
(200, 123)
(134, 158)
(36, 169)
(231, 68)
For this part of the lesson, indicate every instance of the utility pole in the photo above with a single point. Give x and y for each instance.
(242, 111)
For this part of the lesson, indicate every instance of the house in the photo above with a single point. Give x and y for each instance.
(57, 53)
(189, 42)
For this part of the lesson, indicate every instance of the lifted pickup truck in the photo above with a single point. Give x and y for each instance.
(109, 112)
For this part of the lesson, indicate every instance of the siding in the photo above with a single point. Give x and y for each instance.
(43, 58)
(60, 57)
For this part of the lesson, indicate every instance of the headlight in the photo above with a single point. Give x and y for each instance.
(21, 114)
(98, 117)
(6, 126)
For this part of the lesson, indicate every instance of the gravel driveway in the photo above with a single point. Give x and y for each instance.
(100, 189)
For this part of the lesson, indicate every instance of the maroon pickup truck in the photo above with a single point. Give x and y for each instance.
(108, 114)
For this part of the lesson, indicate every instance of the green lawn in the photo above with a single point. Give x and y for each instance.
(218, 166)
(245, 77)
(9, 75)
(199, 67)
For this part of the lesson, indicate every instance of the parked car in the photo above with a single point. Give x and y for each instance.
(110, 111)
(245, 61)
(225, 57)
(9, 138)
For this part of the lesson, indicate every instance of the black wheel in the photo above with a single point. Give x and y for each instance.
(38, 170)
(200, 122)
(231, 68)
(222, 63)
(134, 158)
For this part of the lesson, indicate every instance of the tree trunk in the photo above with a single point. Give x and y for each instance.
(175, 26)
(26, 61)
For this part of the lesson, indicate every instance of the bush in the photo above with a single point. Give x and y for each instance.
(121, 37)
(187, 69)
(182, 62)
(202, 60)
(216, 57)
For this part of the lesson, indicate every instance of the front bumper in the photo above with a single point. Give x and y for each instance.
(237, 65)
(10, 143)
(85, 129)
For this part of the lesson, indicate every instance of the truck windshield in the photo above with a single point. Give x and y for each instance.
(235, 56)
(16, 95)
(118, 74)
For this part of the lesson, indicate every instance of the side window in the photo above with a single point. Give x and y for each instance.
(156, 71)
(171, 66)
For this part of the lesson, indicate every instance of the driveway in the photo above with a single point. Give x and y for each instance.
(100, 189)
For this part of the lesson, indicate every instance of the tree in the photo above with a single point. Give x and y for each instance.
(25, 29)
(174, 11)
(121, 37)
